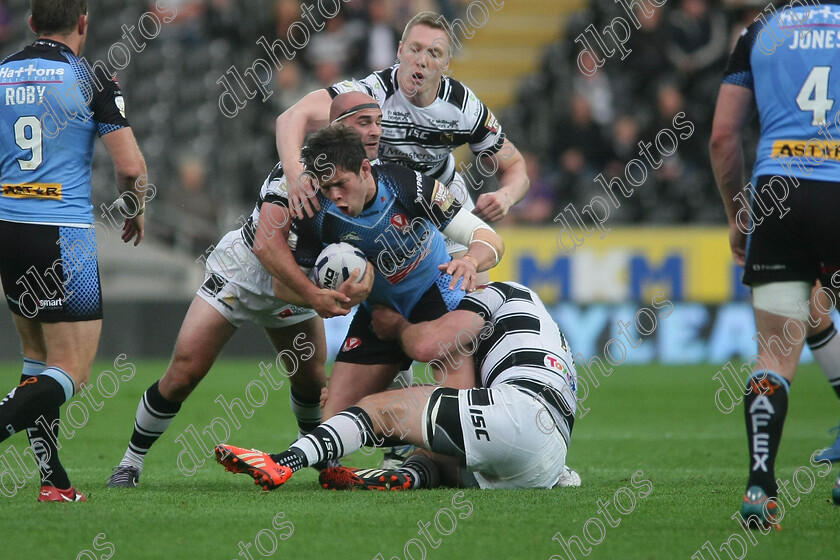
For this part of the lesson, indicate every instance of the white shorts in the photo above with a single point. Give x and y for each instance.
(239, 287)
(461, 193)
(509, 438)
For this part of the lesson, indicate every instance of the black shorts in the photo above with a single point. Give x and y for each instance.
(50, 273)
(362, 346)
(802, 245)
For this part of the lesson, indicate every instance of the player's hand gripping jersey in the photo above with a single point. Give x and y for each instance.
(398, 231)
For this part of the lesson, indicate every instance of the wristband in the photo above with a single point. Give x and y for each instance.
(495, 253)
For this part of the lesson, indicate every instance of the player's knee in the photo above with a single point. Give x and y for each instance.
(181, 378)
(310, 384)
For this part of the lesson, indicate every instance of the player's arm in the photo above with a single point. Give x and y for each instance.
(513, 182)
(429, 340)
(485, 248)
(130, 169)
(108, 107)
(734, 106)
(329, 303)
(271, 247)
(310, 113)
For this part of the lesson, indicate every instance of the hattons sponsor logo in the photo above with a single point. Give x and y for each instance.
(350, 343)
(30, 73)
(51, 191)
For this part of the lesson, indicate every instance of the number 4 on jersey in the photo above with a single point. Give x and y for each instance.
(814, 95)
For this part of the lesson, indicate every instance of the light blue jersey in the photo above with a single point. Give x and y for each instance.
(790, 62)
(51, 108)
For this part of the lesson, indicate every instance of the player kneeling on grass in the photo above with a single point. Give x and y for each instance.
(511, 432)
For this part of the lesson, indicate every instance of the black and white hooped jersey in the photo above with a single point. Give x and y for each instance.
(423, 138)
(273, 190)
(520, 340)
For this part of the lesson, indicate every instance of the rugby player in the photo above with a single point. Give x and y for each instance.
(426, 116)
(791, 243)
(48, 259)
(511, 432)
(238, 288)
(395, 216)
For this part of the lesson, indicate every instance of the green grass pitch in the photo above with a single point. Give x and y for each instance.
(660, 420)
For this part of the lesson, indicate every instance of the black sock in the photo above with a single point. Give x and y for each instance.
(293, 459)
(44, 446)
(422, 471)
(765, 408)
(27, 402)
(306, 411)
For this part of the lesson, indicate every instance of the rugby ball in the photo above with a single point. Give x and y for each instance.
(335, 263)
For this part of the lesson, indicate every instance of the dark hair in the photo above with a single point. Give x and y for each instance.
(56, 16)
(331, 147)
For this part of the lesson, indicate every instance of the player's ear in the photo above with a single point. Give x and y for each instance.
(32, 25)
(81, 25)
(364, 172)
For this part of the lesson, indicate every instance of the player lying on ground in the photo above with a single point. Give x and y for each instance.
(238, 287)
(395, 217)
(471, 433)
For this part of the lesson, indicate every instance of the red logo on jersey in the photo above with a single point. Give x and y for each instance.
(400, 221)
(285, 313)
(351, 343)
(553, 362)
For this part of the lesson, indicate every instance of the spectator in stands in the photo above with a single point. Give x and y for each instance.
(538, 206)
(333, 50)
(649, 46)
(697, 47)
(194, 204)
(378, 48)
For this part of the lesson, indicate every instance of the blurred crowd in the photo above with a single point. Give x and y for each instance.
(570, 127)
